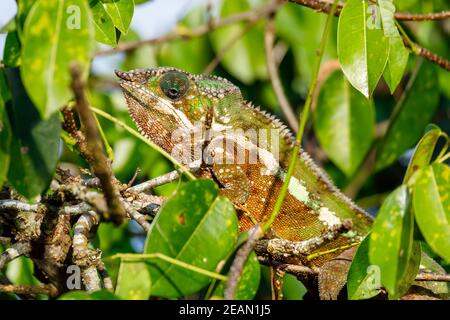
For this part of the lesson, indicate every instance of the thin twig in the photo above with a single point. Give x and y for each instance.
(17, 205)
(239, 261)
(250, 16)
(303, 120)
(179, 263)
(46, 289)
(133, 178)
(296, 270)
(135, 215)
(107, 282)
(16, 250)
(219, 56)
(325, 6)
(158, 181)
(76, 209)
(432, 57)
(87, 259)
(154, 146)
(433, 277)
(272, 68)
(96, 158)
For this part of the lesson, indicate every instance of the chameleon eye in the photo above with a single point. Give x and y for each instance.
(174, 84)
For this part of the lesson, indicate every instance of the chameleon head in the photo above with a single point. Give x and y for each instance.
(162, 100)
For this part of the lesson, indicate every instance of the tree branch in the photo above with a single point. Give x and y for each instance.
(16, 250)
(16, 205)
(275, 77)
(325, 6)
(96, 157)
(249, 16)
(46, 289)
(241, 257)
(219, 56)
(155, 182)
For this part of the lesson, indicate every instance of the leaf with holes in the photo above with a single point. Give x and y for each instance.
(105, 31)
(196, 226)
(344, 122)
(363, 48)
(56, 33)
(363, 279)
(392, 247)
(431, 200)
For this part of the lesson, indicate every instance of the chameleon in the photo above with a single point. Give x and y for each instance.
(246, 151)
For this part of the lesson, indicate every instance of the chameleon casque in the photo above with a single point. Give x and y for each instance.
(315, 216)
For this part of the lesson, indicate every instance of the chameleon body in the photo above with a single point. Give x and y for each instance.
(315, 216)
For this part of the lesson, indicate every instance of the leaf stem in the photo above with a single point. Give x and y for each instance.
(411, 43)
(109, 117)
(303, 120)
(442, 156)
(160, 256)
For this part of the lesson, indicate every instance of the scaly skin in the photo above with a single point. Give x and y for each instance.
(314, 215)
(316, 224)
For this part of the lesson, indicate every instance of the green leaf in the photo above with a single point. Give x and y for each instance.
(398, 54)
(35, 144)
(428, 265)
(21, 271)
(424, 151)
(195, 226)
(11, 53)
(133, 282)
(5, 130)
(23, 9)
(363, 279)
(56, 33)
(344, 122)
(397, 62)
(392, 246)
(245, 60)
(431, 200)
(362, 47)
(410, 116)
(387, 11)
(105, 31)
(444, 81)
(83, 295)
(121, 13)
(248, 282)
